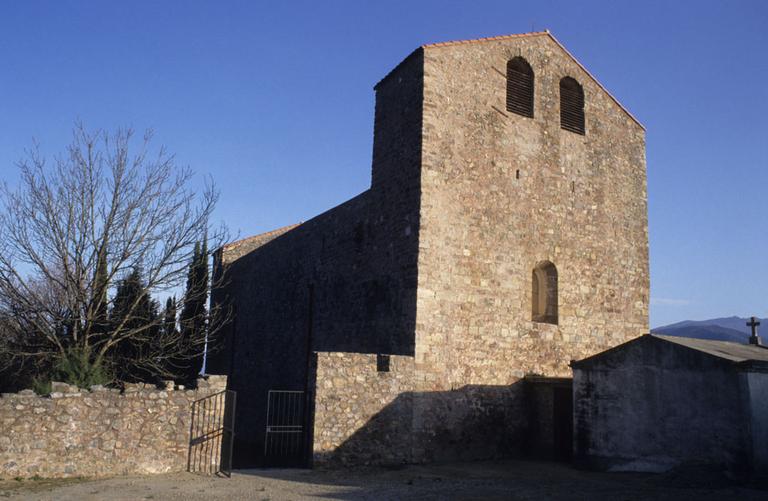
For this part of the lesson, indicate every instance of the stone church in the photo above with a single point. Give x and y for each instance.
(504, 234)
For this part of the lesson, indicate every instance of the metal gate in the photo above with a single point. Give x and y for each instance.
(211, 433)
(285, 440)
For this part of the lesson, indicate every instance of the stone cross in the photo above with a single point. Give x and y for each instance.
(753, 323)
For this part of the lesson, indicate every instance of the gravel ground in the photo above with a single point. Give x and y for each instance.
(507, 480)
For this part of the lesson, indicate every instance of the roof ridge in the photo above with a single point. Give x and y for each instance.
(519, 35)
(734, 353)
(486, 39)
(541, 33)
(251, 238)
(594, 79)
(455, 42)
(714, 347)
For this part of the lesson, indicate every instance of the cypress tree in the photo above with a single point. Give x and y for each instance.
(188, 309)
(193, 318)
(144, 316)
(169, 317)
(99, 299)
(202, 264)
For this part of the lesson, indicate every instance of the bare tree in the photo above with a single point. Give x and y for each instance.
(74, 227)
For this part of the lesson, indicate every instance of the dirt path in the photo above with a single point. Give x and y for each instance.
(504, 480)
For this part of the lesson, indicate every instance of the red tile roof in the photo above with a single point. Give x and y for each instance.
(486, 39)
(250, 243)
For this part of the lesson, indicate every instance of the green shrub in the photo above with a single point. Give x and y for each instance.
(41, 385)
(77, 368)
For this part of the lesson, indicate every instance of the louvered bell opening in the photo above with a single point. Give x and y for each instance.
(520, 92)
(572, 109)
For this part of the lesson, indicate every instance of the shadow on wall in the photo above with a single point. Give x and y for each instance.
(340, 279)
(470, 423)
(296, 295)
(344, 281)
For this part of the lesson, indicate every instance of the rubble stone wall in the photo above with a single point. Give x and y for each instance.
(502, 193)
(362, 416)
(100, 432)
(365, 416)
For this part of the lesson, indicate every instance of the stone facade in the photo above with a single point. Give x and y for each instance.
(579, 202)
(365, 412)
(364, 416)
(99, 432)
(434, 262)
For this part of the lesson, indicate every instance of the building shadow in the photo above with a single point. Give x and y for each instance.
(475, 422)
(344, 281)
(529, 418)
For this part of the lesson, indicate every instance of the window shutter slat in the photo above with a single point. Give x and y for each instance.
(571, 106)
(520, 87)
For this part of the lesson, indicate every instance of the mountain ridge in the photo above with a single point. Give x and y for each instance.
(733, 329)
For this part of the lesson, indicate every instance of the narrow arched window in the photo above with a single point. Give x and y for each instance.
(520, 87)
(544, 293)
(571, 105)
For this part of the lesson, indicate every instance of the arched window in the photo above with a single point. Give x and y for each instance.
(520, 87)
(544, 293)
(571, 105)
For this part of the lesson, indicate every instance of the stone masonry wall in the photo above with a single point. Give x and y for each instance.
(362, 416)
(97, 433)
(501, 193)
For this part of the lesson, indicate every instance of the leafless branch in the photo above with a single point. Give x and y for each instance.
(75, 225)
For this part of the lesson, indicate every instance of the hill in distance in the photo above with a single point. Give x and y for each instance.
(733, 329)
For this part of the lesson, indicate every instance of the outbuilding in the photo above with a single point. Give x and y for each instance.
(657, 402)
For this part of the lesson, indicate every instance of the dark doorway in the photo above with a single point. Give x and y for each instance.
(550, 417)
(562, 423)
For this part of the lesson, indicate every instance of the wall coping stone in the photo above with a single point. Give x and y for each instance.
(101, 432)
(205, 385)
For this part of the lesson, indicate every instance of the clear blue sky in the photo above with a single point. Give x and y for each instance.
(275, 100)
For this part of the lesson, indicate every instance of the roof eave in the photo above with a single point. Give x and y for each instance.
(753, 366)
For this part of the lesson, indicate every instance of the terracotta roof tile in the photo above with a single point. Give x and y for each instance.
(486, 39)
(242, 246)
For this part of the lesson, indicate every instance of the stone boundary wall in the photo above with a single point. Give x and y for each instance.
(100, 432)
(362, 416)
